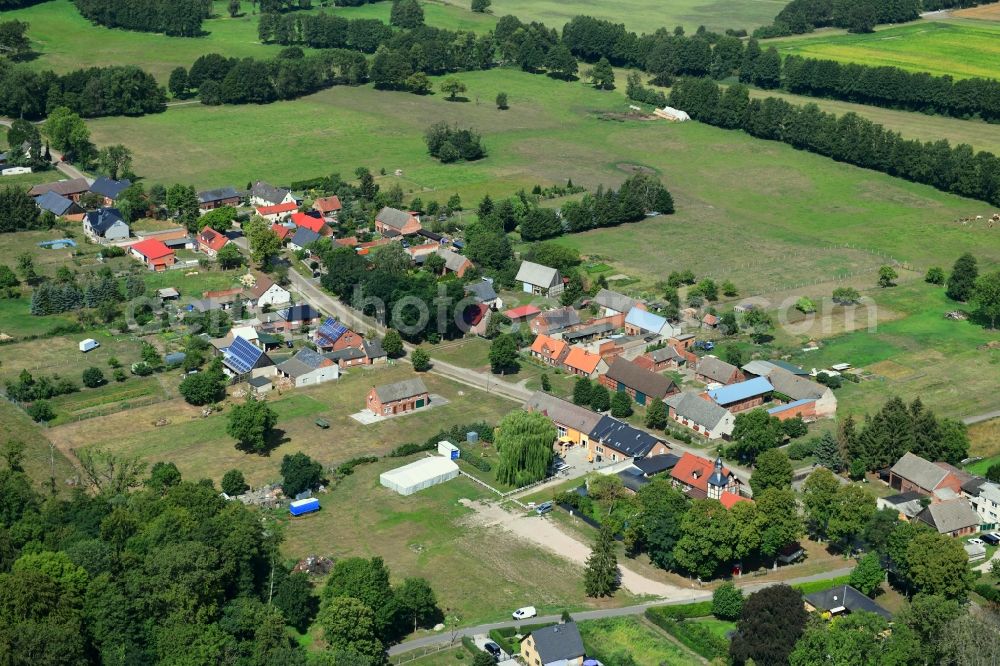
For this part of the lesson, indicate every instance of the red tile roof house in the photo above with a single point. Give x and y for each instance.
(549, 350)
(555, 321)
(335, 338)
(700, 478)
(282, 231)
(454, 263)
(311, 223)
(154, 253)
(582, 363)
(642, 385)
(328, 207)
(211, 241)
(277, 211)
(911, 473)
(666, 358)
(398, 398)
(397, 221)
(712, 370)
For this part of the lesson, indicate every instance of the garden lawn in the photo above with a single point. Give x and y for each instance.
(962, 49)
(607, 639)
(61, 355)
(985, 439)
(201, 448)
(477, 573)
(980, 467)
(111, 397)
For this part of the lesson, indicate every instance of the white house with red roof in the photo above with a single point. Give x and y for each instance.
(154, 253)
(276, 212)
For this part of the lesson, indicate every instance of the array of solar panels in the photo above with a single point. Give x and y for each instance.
(330, 331)
(242, 356)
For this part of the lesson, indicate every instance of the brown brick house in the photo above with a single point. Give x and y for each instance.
(641, 385)
(398, 398)
(913, 473)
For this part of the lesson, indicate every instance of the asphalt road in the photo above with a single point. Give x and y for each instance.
(483, 381)
(447, 636)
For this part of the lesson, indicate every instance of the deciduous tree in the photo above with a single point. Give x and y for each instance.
(251, 425)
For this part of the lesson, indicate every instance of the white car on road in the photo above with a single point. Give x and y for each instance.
(524, 613)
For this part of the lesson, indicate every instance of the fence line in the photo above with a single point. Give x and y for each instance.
(413, 655)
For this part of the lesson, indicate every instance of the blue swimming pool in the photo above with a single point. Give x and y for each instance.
(58, 244)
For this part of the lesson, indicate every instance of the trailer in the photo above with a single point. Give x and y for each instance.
(89, 344)
(303, 506)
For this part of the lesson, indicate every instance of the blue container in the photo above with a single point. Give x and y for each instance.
(303, 506)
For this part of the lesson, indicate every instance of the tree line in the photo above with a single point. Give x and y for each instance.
(848, 138)
(666, 55)
(802, 16)
(97, 91)
(221, 80)
(177, 18)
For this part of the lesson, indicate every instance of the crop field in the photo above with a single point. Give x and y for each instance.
(200, 446)
(990, 12)
(960, 48)
(644, 16)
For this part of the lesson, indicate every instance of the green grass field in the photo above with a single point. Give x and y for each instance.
(961, 48)
(643, 16)
(921, 354)
(761, 211)
(40, 460)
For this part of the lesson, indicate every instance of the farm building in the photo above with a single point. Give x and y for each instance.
(954, 517)
(224, 196)
(555, 321)
(522, 313)
(418, 475)
(59, 206)
(71, 189)
(395, 222)
(712, 370)
(641, 322)
(154, 253)
(539, 280)
(624, 376)
(483, 292)
(742, 396)
(398, 398)
(614, 303)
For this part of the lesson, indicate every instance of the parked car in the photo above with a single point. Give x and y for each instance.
(978, 542)
(543, 508)
(524, 613)
(494, 650)
(559, 467)
(992, 538)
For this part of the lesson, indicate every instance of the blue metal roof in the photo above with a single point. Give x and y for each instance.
(790, 405)
(647, 321)
(740, 391)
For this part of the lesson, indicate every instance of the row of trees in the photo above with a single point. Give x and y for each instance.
(848, 138)
(97, 91)
(180, 18)
(323, 31)
(800, 16)
(666, 55)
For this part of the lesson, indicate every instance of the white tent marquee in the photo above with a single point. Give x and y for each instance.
(418, 475)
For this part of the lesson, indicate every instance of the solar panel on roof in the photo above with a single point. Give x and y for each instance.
(242, 355)
(331, 329)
